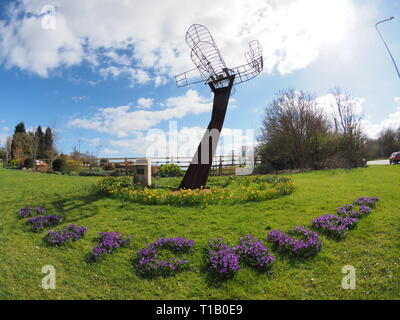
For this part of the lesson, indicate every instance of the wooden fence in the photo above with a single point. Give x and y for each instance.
(222, 164)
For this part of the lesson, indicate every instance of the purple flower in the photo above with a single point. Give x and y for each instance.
(70, 233)
(222, 258)
(40, 222)
(298, 242)
(253, 252)
(108, 242)
(366, 201)
(29, 212)
(334, 225)
(147, 257)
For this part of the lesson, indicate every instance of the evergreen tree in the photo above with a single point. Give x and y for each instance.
(48, 144)
(20, 128)
(39, 145)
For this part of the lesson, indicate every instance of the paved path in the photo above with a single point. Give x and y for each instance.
(378, 162)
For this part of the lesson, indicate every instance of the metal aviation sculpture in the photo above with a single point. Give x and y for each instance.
(214, 72)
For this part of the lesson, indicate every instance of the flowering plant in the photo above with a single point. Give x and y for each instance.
(367, 201)
(147, 257)
(70, 233)
(343, 210)
(40, 222)
(298, 242)
(29, 212)
(362, 212)
(236, 190)
(334, 225)
(108, 242)
(252, 251)
(222, 258)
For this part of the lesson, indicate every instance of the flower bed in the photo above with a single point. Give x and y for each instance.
(334, 225)
(71, 233)
(234, 190)
(298, 242)
(222, 258)
(108, 243)
(40, 222)
(149, 264)
(30, 212)
(253, 252)
(366, 201)
(362, 211)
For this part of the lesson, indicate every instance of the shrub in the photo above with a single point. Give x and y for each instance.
(13, 163)
(264, 169)
(28, 163)
(118, 173)
(170, 170)
(72, 165)
(94, 173)
(59, 164)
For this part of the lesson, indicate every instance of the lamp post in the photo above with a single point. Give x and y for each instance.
(391, 56)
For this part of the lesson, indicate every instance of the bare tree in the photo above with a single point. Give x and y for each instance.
(347, 120)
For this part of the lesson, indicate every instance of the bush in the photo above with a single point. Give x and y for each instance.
(28, 163)
(170, 170)
(13, 163)
(72, 165)
(59, 164)
(263, 169)
(109, 166)
(97, 173)
(118, 173)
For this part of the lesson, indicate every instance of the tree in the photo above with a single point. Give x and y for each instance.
(48, 147)
(20, 128)
(294, 132)
(21, 145)
(389, 142)
(38, 144)
(351, 138)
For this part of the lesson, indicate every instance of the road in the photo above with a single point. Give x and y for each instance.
(378, 162)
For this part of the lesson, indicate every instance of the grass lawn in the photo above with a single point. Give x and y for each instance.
(373, 248)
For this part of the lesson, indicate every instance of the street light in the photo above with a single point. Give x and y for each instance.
(391, 56)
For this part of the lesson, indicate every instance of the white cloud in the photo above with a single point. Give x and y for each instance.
(134, 75)
(328, 104)
(122, 121)
(182, 143)
(109, 151)
(3, 135)
(392, 121)
(144, 40)
(145, 103)
(372, 129)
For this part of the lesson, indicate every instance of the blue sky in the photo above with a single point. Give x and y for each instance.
(102, 74)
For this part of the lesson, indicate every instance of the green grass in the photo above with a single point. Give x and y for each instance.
(373, 248)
